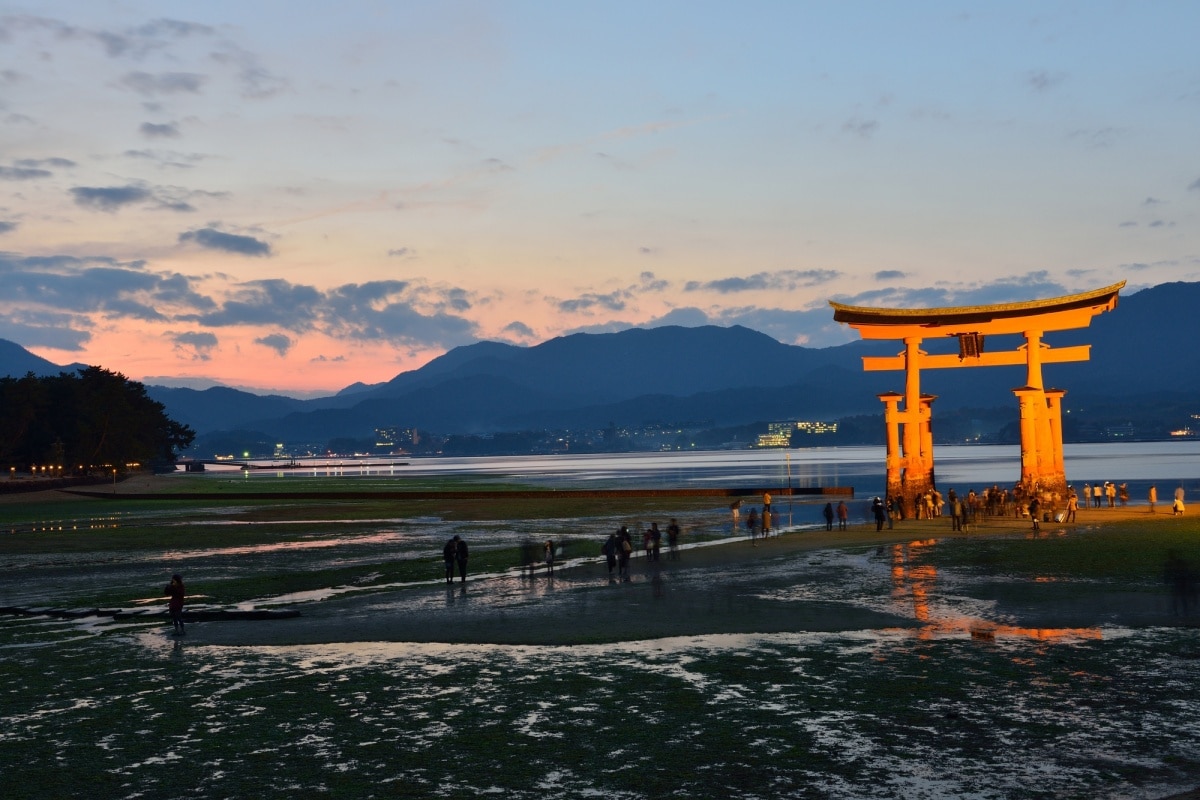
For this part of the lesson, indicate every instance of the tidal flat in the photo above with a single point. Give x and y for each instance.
(909, 663)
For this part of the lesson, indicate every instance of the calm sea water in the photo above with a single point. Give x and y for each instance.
(1140, 464)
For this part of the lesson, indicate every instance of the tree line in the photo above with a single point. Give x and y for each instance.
(83, 422)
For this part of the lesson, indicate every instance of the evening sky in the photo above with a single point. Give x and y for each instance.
(297, 196)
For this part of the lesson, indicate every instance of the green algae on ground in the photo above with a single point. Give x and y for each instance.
(1127, 550)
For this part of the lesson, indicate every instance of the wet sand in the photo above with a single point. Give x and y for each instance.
(726, 587)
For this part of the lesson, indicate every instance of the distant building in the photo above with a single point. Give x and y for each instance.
(779, 434)
(392, 439)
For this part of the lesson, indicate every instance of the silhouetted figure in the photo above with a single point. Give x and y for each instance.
(1035, 512)
(956, 512)
(1179, 575)
(1152, 497)
(623, 554)
(843, 515)
(828, 512)
(460, 556)
(752, 525)
(610, 549)
(529, 556)
(450, 556)
(879, 512)
(673, 539)
(175, 604)
(548, 556)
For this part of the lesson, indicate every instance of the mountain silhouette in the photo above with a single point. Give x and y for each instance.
(721, 376)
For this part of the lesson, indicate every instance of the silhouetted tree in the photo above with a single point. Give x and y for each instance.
(83, 420)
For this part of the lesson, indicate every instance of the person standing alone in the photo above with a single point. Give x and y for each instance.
(175, 604)
(460, 555)
(449, 555)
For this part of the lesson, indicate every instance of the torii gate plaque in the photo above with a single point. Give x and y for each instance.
(910, 451)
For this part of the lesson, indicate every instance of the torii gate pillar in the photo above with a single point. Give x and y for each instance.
(909, 463)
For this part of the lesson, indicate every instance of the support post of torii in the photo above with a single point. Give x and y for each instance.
(909, 466)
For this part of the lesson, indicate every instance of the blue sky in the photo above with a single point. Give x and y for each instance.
(295, 196)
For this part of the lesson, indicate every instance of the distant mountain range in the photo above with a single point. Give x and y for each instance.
(719, 376)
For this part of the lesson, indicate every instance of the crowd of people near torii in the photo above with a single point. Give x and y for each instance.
(1036, 504)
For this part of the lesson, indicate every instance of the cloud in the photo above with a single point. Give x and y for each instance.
(102, 286)
(683, 317)
(404, 312)
(1043, 80)
(23, 173)
(889, 275)
(149, 84)
(60, 332)
(198, 345)
(277, 342)
(110, 198)
(57, 163)
(71, 293)
(864, 128)
(7, 227)
(274, 302)
(400, 252)
(257, 81)
(781, 280)
(114, 198)
(1194, 185)
(613, 301)
(649, 282)
(167, 130)
(213, 239)
(195, 339)
(811, 327)
(519, 330)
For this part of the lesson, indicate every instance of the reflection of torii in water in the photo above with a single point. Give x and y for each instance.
(910, 452)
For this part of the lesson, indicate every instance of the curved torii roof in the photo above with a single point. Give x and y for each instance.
(1052, 314)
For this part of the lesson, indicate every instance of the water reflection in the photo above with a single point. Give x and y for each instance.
(383, 537)
(915, 586)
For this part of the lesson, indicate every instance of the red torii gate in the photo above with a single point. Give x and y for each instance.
(909, 434)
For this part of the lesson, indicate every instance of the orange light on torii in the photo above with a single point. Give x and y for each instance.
(908, 415)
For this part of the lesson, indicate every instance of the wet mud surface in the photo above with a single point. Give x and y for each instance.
(804, 667)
